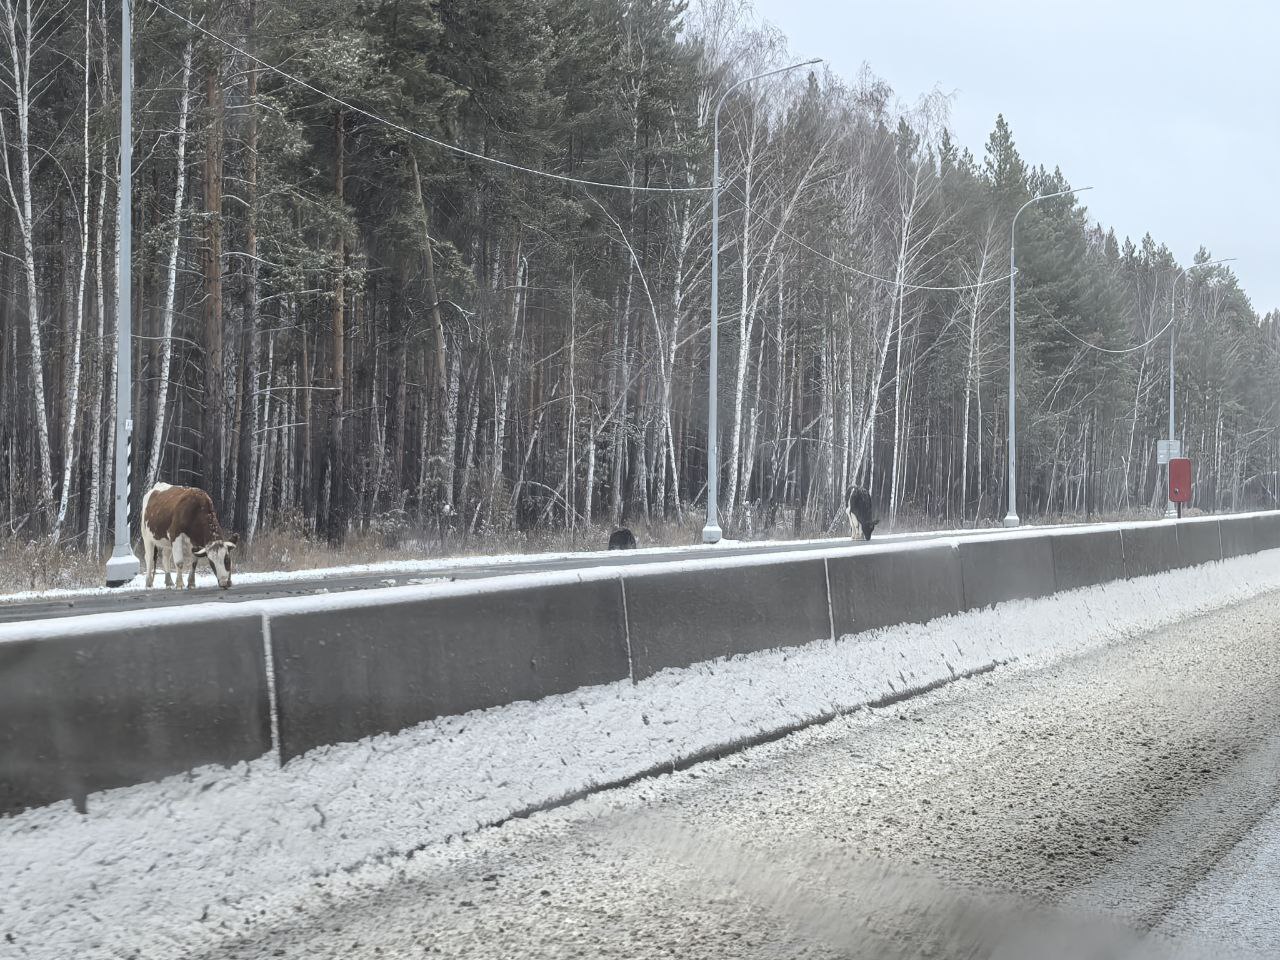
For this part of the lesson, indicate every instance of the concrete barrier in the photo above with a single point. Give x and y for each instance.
(1266, 532)
(1199, 541)
(88, 703)
(1086, 559)
(104, 707)
(879, 589)
(1149, 548)
(681, 617)
(1237, 536)
(348, 671)
(1017, 568)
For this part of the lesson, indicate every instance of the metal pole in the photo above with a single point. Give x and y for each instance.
(711, 533)
(123, 565)
(1171, 509)
(1011, 518)
(1173, 296)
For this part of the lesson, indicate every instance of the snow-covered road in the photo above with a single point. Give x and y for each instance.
(1140, 779)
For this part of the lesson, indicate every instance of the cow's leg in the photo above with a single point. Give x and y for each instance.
(166, 554)
(149, 556)
(853, 525)
(181, 556)
(189, 552)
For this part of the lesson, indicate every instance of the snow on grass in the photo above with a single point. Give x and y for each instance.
(445, 565)
(165, 869)
(425, 566)
(206, 579)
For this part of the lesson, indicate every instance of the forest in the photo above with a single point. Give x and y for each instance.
(359, 305)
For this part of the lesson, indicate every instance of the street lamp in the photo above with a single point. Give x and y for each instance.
(1011, 519)
(712, 533)
(123, 565)
(1171, 510)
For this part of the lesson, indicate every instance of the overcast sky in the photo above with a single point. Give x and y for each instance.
(1170, 109)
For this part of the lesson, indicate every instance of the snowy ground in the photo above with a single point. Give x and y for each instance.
(161, 870)
(1057, 812)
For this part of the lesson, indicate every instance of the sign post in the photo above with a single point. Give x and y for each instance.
(1166, 450)
(123, 565)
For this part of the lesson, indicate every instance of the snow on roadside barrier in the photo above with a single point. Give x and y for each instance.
(165, 869)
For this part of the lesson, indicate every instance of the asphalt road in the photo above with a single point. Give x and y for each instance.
(1078, 810)
(456, 569)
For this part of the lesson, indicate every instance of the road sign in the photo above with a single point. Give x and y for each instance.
(1167, 450)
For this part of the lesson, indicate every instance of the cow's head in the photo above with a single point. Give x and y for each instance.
(218, 553)
(867, 528)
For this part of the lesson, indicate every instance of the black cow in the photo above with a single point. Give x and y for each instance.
(861, 509)
(622, 539)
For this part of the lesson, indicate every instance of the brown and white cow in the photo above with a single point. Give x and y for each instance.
(180, 522)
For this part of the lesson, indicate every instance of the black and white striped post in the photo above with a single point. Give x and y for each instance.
(123, 565)
(128, 475)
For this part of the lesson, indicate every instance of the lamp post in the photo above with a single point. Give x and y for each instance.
(1011, 518)
(123, 565)
(1170, 509)
(711, 533)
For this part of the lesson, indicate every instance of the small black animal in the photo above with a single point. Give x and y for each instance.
(861, 510)
(622, 539)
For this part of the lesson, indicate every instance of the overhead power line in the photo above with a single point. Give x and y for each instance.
(1146, 343)
(1122, 350)
(862, 273)
(414, 133)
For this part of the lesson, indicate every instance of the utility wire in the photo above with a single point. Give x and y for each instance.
(863, 273)
(1093, 346)
(970, 286)
(414, 133)
(1142, 346)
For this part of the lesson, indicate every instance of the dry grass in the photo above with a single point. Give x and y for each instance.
(40, 566)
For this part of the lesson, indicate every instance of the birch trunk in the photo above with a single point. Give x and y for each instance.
(744, 335)
(972, 379)
(335, 514)
(517, 276)
(93, 521)
(20, 57)
(71, 430)
(248, 449)
(261, 444)
(751, 299)
(171, 281)
(448, 404)
(214, 398)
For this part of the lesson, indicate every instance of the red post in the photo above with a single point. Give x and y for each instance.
(1179, 481)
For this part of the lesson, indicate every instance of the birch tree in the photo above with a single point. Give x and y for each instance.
(171, 281)
(25, 37)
